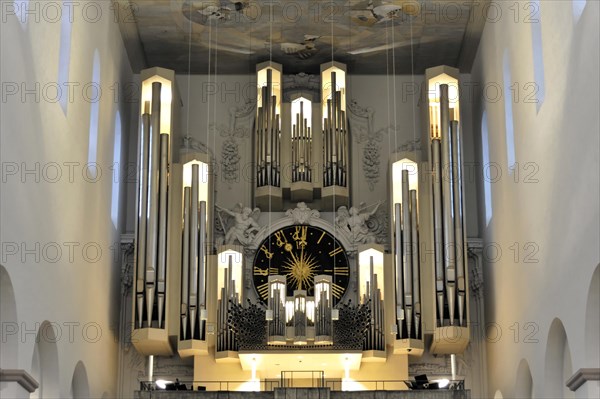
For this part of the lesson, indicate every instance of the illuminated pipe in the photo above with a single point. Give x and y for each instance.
(448, 224)
(162, 224)
(202, 267)
(153, 204)
(193, 299)
(398, 248)
(415, 260)
(185, 264)
(437, 228)
(406, 252)
(457, 179)
(142, 211)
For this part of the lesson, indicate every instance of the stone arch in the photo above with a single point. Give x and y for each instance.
(9, 355)
(524, 381)
(44, 365)
(558, 366)
(592, 321)
(80, 386)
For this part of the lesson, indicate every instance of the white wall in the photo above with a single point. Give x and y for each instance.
(551, 208)
(57, 208)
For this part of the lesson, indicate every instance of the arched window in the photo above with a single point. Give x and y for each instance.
(538, 53)
(578, 7)
(93, 95)
(64, 55)
(485, 156)
(114, 208)
(508, 113)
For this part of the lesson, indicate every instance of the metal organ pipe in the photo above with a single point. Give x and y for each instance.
(202, 268)
(335, 132)
(447, 203)
(185, 263)
(193, 274)
(457, 188)
(398, 255)
(437, 227)
(415, 261)
(153, 202)
(142, 212)
(268, 137)
(162, 224)
(406, 252)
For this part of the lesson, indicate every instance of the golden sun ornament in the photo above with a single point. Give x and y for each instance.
(301, 270)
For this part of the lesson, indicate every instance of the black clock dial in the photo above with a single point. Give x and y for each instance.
(300, 253)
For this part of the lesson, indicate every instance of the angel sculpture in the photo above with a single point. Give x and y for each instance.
(354, 222)
(245, 226)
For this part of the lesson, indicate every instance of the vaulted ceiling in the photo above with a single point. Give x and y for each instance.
(187, 35)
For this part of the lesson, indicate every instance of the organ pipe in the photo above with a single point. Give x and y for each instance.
(268, 131)
(152, 206)
(406, 248)
(448, 210)
(301, 141)
(335, 130)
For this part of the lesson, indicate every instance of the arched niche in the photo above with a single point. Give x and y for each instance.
(80, 386)
(558, 366)
(592, 321)
(524, 381)
(44, 364)
(9, 355)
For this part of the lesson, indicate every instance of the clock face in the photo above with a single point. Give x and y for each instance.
(300, 253)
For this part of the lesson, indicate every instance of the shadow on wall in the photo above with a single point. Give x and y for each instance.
(9, 355)
(44, 364)
(524, 383)
(80, 387)
(592, 321)
(558, 362)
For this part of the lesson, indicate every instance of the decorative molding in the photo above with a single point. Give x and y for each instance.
(475, 252)
(302, 81)
(302, 214)
(410, 146)
(190, 144)
(362, 124)
(21, 377)
(230, 161)
(582, 376)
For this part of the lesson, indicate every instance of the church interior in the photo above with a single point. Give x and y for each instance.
(300, 199)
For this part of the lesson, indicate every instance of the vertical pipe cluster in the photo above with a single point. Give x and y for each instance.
(152, 225)
(335, 140)
(268, 137)
(193, 273)
(375, 337)
(323, 301)
(277, 289)
(300, 319)
(301, 148)
(448, 215)
(406, 257)
(228, 297)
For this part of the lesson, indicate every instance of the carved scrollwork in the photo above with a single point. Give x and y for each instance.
(302, 214)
